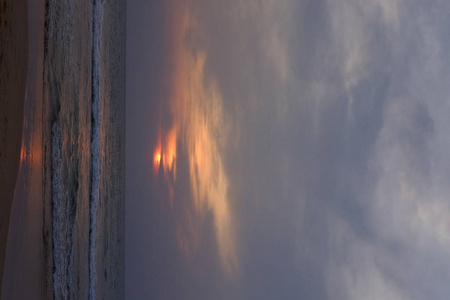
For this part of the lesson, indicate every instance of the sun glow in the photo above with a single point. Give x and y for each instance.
(157, 159)
(164, 155)
(198, 129)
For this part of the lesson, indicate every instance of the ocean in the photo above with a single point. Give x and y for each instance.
(83, 146)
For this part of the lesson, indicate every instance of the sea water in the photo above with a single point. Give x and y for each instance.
(84, 91)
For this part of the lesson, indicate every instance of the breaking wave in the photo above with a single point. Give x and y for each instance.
(95, 144)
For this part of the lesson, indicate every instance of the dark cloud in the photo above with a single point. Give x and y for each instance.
(335, 153)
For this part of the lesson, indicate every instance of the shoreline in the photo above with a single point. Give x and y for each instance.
(28, 250)
(13, 80)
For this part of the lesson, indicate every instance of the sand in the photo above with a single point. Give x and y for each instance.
(25, 261)
(13, 74)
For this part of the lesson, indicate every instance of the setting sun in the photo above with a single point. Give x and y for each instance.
(156, 161)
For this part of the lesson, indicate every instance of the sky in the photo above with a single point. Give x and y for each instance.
(287, 149)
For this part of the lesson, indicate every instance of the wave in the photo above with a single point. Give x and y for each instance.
(62, 221)
(95, 143)
(63, 198)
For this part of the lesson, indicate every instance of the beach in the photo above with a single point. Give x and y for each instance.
(25, 259)
(13, 62)
(65, 235)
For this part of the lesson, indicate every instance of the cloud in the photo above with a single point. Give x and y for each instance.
(197, 130)
(402, 195)
(360, 29)
(312, 139)
(340, 112)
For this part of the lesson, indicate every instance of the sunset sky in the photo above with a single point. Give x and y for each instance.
(288, 149)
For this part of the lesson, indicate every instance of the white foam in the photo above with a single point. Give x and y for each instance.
(95, 144)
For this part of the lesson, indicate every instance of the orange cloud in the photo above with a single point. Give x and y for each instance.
(199, 129)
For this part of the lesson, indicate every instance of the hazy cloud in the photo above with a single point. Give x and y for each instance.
(315, 135)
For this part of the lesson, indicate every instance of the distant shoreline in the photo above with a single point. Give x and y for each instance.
(13, 77)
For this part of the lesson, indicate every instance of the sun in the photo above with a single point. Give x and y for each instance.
(157, 159)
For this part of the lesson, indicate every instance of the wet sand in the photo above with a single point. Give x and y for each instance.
(25, 261)
(13, 74)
